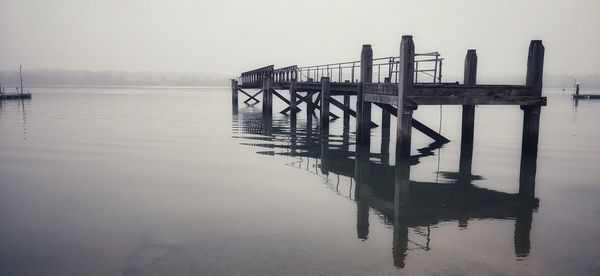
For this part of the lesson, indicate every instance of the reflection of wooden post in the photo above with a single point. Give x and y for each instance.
(361, 175)
(325, 105)
(522, 231)
(401, 199)
(468, 119)
(363, 108)
(234, 95)
(267, 104)
(325, 154)
(21, 78)
(531, 121)
(405, 83)
(400, 243)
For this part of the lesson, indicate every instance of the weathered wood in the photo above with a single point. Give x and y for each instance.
(346, 109)
(251, 97)
(15, 96)
(346, 114)
(325, 104)
(282, 98)
(451, 90)
(468, 119)
(531, 121)
(267, 104)
(293, 100)
(405, 85)
(416, 124)
(363, 108)
(234, 95)
(414, 101)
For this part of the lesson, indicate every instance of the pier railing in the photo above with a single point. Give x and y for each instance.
(428, 69)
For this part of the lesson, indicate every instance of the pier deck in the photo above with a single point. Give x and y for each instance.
(15, 96)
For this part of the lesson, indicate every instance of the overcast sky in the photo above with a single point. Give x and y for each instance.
(229, 36)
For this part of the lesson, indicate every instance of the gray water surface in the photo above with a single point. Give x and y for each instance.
(166, 181)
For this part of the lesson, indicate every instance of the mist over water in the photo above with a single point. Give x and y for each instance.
(138, 181)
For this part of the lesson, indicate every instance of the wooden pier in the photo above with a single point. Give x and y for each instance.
(400, 89)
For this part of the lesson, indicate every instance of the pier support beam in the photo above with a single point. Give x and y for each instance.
(346, 114)
(405, 84)
(531, 121)
(325, 105)
(267, 103)
(234, 96)
(468, 119)
(293, 99)
(363, 108)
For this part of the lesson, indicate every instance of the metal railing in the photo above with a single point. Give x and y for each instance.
(428, 69)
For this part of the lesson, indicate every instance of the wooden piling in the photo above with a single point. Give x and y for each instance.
(325, 87)
(531, 121)
(267, 103)
(363, 108)
(405, 84)
(468, 118)
(234, 95)
(346, 114)
(293, 99)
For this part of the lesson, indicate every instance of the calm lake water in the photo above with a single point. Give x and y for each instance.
(165, 181)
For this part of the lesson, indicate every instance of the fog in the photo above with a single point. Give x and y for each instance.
(230, 36)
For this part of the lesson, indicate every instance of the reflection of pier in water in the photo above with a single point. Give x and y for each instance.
(410, 206)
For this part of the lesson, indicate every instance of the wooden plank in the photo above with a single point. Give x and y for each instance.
(476, 100)
(450, 90)
(347, 109)
(416, 124)
(280, 97)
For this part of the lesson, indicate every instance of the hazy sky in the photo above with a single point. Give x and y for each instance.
(228, 36)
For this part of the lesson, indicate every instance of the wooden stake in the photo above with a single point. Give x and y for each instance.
(468, 119)
(325, 105)
(531, 121)
(363, 108)
(405, 84)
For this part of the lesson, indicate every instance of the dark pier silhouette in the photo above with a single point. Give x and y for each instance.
(403, 83)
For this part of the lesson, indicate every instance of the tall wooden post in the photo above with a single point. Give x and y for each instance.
(363, 108)
(293, 97)
(468, 119)
(531, 120)
(325, 105)
(267, 104)
(234, 95)
(405, 84)
(385, 133)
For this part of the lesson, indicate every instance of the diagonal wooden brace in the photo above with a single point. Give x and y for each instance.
(416, 124)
